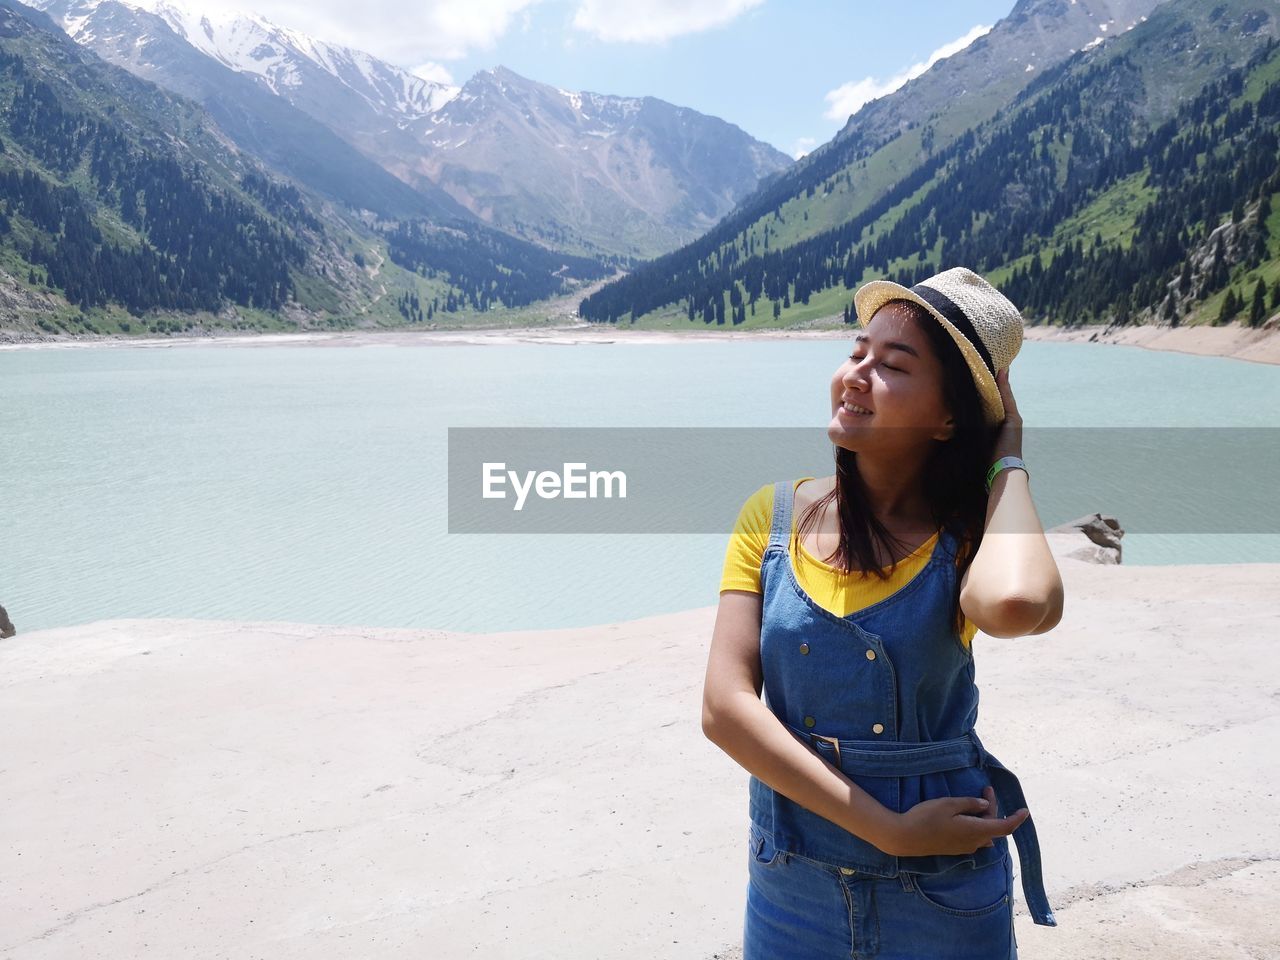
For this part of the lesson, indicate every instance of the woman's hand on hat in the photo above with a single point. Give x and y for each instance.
(951, 825)
(1009, 439)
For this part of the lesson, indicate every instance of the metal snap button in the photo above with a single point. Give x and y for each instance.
(871, 654)
(804, 648)
(809, 721)
(877, 728)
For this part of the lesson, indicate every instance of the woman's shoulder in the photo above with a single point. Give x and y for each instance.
(745, 550)
(760, 503)
(756, 513)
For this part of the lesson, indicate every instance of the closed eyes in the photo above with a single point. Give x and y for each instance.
(889, 366)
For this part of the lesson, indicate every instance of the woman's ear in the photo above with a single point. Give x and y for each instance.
(947, 430)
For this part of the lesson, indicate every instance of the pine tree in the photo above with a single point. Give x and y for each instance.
(1258, 311)
(1275, 296)
(1218, 273)
(1259, 250)
(1229, 307)
(1124, 309)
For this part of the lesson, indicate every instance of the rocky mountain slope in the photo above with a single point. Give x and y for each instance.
(583, 172)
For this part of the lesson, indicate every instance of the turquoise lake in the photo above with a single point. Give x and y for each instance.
(307, 483)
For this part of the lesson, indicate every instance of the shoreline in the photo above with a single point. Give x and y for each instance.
(404, 786)
(481, 336)
(1232, 341)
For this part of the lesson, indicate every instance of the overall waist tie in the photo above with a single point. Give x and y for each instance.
(887, 758)
(1009, 792)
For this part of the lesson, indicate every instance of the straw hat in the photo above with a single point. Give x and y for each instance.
(982, 321)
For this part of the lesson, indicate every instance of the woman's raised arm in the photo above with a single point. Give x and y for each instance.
(1013, 587)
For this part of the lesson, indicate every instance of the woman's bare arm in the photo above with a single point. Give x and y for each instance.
(736, 720)
(1013, 587)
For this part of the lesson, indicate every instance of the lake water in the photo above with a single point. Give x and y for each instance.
(306, 483)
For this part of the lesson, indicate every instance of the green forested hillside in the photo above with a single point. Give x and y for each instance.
(103, 195)
(1134, 177)
(124, 208)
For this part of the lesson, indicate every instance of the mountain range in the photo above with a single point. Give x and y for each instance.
(587, 171)
(1129, 177)
(125, 208)
(581, 172)
(1097, 159)
(245, 106)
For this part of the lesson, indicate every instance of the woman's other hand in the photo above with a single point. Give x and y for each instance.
(951, 825)
(1009, 438)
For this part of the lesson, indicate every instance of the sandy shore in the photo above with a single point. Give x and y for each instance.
(187, 788)
(1234, 341)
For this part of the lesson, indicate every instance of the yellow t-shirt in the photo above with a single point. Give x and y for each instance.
(832, 589)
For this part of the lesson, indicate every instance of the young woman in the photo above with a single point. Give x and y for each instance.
(879, 822)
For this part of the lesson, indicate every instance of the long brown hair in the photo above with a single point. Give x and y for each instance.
(954, 477)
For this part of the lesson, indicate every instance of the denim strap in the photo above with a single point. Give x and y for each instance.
(893, 758)
(1009, 793)
(889, 758)
(780, 532)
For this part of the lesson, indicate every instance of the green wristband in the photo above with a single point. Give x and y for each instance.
(1002, 464)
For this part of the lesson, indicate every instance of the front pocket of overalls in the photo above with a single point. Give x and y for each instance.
(763, 850)
(964, 891)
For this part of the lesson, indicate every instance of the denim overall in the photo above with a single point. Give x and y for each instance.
(887, 696)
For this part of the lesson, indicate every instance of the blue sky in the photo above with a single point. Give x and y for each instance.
(771, 67)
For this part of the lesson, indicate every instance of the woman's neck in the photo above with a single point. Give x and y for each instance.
(891, 498)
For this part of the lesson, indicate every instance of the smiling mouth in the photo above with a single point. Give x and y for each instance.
(853, 410)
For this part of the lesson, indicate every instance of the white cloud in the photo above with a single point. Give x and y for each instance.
(432, 31)
(394, 30)
(433, 72)
(653, 21)
(802, 146)
(849, 98)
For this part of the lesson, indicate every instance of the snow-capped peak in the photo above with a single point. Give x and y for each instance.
(279, 56)
(575, 99)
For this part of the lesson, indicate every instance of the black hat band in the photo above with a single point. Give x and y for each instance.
(947, 307)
